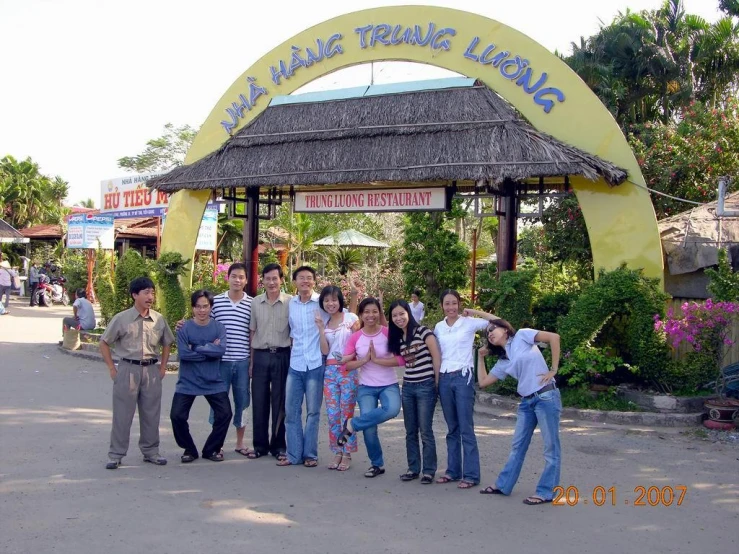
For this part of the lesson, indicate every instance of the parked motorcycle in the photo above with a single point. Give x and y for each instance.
(51, 290)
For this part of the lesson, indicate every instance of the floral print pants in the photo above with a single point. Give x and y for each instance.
(340, 393)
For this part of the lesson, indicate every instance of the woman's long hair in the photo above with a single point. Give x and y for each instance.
(395, 333)
(510, 331)
(363, 304)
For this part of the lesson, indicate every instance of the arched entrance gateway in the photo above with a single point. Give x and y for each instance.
(406, 144)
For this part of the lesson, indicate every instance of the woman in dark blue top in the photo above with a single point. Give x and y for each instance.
(201, 343)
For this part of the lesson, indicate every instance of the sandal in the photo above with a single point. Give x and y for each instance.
(466, 485)
(337, 461)
(252, 454)
(408, 476)
(310, 462)
(374, 471)
(281, 457)
(345, 462)
(215, 457)
(427, 479)
(491, 490)
(284, 462)
(187, 458)
(345, 433)
(444, 479)
(535, 500)
(243, 451)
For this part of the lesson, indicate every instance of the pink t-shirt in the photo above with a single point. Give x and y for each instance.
(372, 374)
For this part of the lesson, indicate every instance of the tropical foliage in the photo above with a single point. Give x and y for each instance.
(27, 197)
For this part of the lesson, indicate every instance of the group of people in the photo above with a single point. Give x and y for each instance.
(300, 350)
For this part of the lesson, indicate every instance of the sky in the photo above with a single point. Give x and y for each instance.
(86, 82)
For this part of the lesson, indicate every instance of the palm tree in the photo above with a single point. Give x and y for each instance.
(89, 203)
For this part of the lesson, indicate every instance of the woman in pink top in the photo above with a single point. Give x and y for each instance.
(378, 382)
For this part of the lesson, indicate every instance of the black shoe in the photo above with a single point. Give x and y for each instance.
(374, 471)
(427, 479)
(188, 458)
(408, 476)
(113, 464)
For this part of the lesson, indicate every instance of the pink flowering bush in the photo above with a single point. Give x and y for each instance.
(705, 326)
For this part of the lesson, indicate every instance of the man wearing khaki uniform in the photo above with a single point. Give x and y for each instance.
(136, 335)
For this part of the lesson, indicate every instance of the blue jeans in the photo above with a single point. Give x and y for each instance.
(457, 395)
(419, 402)
(370, 416)
(544, 409)
(309, 384)
(236, 375)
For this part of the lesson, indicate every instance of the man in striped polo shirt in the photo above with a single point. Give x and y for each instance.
(233, 310)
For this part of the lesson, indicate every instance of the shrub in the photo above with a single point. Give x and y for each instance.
(587, 364)
(548, 310)
(129, 267)
(170, 266)
(103, 284)
(621, 293)
(512, 297)
(724, 285)
(75, 270)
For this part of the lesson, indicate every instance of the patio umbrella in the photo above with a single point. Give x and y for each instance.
(352, 239)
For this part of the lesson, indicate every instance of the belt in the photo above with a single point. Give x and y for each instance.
(550, 386)
(273, 349)
(152, 361)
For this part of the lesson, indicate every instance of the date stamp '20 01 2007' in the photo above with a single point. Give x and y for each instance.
(602, 496)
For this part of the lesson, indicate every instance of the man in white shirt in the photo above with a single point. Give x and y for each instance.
(6, 282)
(84, 314)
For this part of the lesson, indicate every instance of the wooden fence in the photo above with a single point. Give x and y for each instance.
(732, 355)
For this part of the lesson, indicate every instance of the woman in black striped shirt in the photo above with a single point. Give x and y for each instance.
(418, 346)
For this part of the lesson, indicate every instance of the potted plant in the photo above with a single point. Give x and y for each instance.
(706, 326)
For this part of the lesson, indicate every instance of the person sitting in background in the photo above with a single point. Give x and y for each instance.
(84, 314)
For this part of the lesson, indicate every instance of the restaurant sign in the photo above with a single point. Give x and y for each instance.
(387, 200)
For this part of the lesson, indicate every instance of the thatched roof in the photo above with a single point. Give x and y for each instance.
(10, 234)
(352, 238)
(464, 132)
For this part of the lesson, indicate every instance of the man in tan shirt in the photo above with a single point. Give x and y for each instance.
(270, 362)
(136, 335)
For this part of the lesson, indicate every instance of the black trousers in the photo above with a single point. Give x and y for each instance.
(34, 288)
(180, 413)
(268, 379)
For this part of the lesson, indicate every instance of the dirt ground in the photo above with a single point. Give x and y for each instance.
(56, 496)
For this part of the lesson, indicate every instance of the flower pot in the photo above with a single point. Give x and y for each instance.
(722, 410)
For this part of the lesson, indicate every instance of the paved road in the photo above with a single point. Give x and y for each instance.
(56, 496)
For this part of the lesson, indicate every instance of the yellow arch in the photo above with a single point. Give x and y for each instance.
(621, 221)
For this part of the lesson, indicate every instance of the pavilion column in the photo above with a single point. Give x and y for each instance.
(507, 228)
(251, 239)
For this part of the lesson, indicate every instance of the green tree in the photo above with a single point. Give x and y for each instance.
(685, 159)
(89, 203)
(162, 153)
(27, 196)
(724, 285)
(170, 266)
(434, 257)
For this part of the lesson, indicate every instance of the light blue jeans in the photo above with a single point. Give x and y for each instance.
(543, 409)
(370, 416)
(236, 375)
(457, 395)
(301, 445)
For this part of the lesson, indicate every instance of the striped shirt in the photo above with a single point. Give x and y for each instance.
(419, 365)
(235, 317)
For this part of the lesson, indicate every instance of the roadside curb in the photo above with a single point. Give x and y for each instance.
(172, 367)
(649, 419)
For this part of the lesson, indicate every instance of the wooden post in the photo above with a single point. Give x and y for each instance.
(90, 258)
(474, 262)
(251, 240)
(507, 228)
